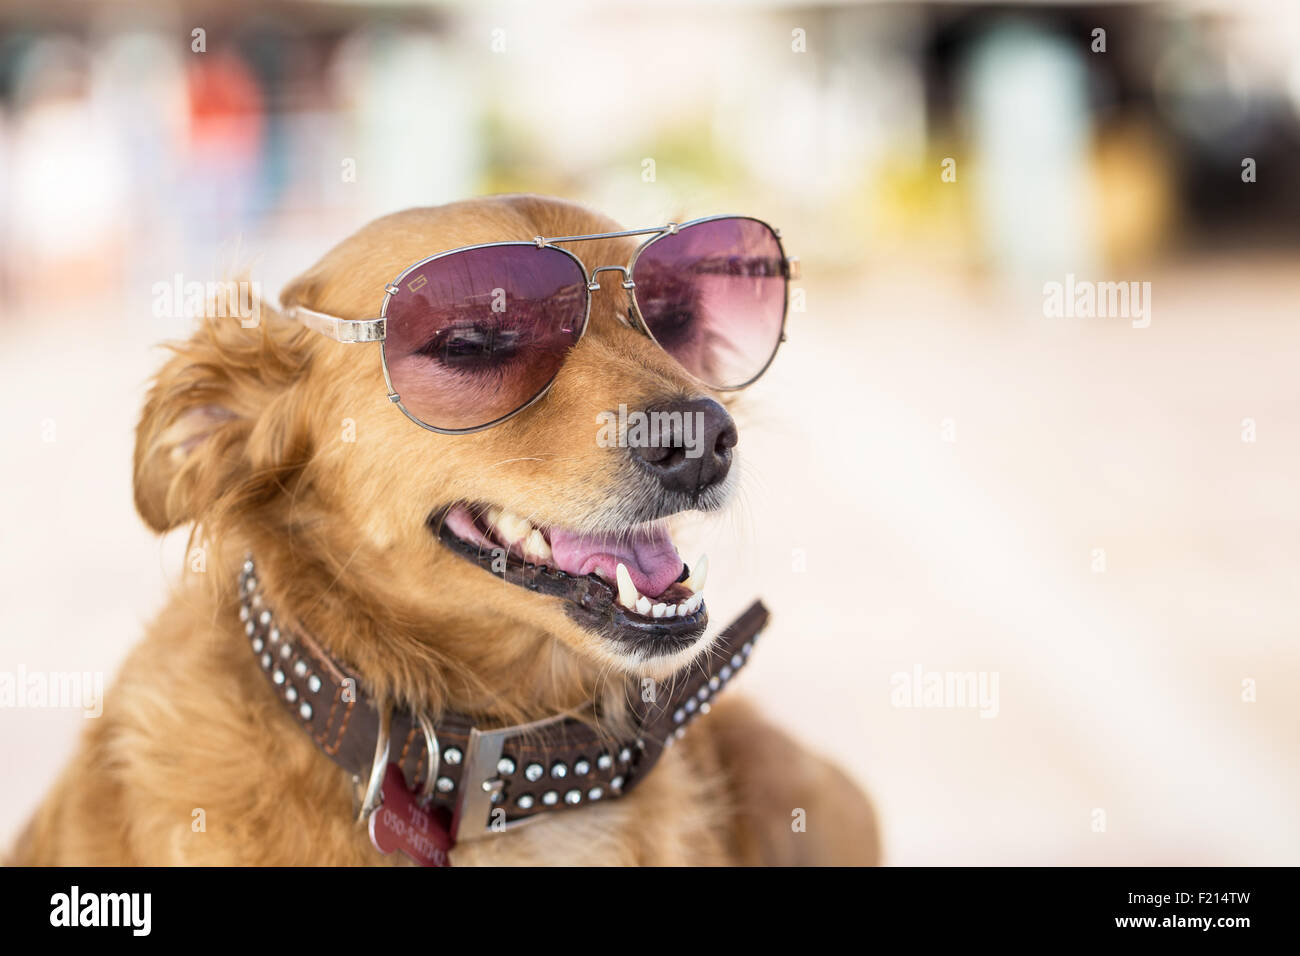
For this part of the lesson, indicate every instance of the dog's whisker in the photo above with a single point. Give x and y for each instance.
(552, 458)
(511, 461)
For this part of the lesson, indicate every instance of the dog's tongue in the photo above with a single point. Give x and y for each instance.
(651, 559)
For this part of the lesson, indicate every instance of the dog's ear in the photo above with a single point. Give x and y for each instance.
(219, 415)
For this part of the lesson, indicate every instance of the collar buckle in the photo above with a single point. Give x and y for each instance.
(481, 811)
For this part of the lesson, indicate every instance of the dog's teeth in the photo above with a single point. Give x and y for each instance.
(643, 605)
(672, 611)
(536, 548)
(699, 574)
(627, 592)
(512, 528)
(659, 610)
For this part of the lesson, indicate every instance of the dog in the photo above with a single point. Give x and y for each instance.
(281, 446)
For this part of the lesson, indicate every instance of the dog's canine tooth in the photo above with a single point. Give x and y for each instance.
(536, 548)
(659, 610)
(513, 529)
(627, 592)
(643, 605)
(699, 574)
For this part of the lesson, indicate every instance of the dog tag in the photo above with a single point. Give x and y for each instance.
(399, 823)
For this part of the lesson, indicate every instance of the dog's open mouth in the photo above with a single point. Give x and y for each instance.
(630, 586)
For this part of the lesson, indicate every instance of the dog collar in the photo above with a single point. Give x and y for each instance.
(481, 780)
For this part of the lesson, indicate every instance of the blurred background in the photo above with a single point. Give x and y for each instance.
(939, 474)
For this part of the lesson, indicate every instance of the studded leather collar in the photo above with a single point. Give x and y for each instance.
(472, 772)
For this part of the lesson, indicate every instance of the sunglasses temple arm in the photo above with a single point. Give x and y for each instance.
(340, 330)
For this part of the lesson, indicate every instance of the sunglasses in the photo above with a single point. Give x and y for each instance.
(475, 335)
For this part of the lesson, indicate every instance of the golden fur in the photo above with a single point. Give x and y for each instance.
(241, 436)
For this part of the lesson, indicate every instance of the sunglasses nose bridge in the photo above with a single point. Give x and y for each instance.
(593, 283)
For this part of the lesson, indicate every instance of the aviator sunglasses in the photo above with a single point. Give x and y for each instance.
(475, 335)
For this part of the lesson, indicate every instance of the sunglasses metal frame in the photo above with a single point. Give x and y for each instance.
(360, 331)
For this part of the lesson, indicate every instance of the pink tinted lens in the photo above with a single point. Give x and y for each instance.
(476, 335)
(713, 296)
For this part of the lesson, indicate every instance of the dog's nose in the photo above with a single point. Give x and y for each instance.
(687, 444)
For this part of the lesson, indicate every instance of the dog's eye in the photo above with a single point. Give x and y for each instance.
(673, 325)
(670, 314)
(473, 345)
(669, 301)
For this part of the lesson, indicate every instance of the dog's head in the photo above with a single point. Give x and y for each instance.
(482, 552)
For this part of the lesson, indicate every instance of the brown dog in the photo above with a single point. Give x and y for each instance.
(241, 437)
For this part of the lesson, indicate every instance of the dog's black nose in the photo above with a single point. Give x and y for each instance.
(686, 444)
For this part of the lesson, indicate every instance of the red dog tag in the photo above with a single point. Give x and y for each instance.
(399, 823)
